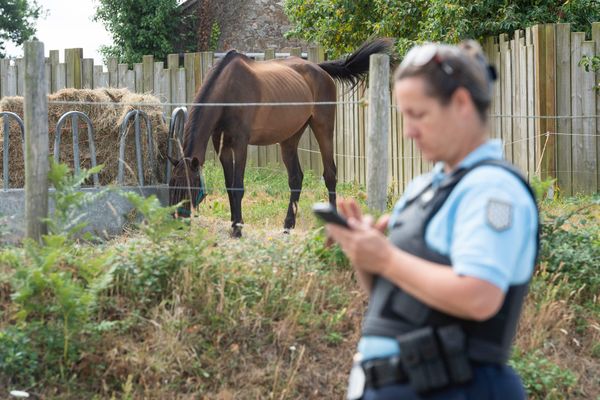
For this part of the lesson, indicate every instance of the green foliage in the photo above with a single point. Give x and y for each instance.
(215, 35)
(541, 188)
(570, 244)
(69, 200)
(341, 25)
(139, 27)
(591, 64)
(18, 357)
(158, 221)
(542, 378)
(17, 21)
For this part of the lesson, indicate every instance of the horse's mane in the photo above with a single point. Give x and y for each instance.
(202, 96)
(214, 73)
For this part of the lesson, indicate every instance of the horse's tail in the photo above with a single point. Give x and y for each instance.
(354, 67)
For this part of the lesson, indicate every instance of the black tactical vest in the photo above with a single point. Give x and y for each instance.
(393, 312)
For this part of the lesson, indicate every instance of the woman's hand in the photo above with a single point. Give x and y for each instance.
(364, 244)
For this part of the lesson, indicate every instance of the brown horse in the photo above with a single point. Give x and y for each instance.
(238, 79)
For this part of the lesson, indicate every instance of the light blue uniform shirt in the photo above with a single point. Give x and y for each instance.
(464, 230)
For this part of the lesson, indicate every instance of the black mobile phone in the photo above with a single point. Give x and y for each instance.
(327, 213)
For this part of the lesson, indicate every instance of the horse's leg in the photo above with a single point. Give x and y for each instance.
(240, 152)
(322, 124)
(226, 158)
(289, 155)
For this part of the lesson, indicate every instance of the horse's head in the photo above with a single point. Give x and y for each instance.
(186, 184)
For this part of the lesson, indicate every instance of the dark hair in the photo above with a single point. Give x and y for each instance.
(451, 67)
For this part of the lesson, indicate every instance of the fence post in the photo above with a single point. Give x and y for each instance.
(378, 128)
(36, 141)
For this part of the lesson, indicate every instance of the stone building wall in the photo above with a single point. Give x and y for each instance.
(251, 25)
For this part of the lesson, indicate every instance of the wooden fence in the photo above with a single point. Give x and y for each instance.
(545, 107)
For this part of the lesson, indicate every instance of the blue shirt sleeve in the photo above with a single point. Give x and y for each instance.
(498, 251)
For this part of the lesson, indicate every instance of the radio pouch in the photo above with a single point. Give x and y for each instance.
(422, 360)
(454, 346)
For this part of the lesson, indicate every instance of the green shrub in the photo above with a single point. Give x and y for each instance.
(570, 244)
(542, 378)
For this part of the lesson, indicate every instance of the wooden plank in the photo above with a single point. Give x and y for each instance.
(148, 74)
(4, 64)
(20, 64)
(549, 160)
(61, 76)
(532, 134)
(138, 76)
(197, 72)
(112, 65)
(87, 73)
(516, 101)
(506, 77)
(497, 103)
(48, 69)
(172, 67)
(579, 152)
(130, 80)
(520, 135)
(73, 61)
(11, 81)
(122, 74)
(539, 44)
(98, 70)
(157, 81)
(564, 166)
(589, 140)
(362, 135)
(54, 56)
(596, 39)
(190, 76)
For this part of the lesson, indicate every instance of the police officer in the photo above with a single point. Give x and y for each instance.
(447, 284)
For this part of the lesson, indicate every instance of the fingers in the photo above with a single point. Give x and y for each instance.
(349, 208)
(382, 222)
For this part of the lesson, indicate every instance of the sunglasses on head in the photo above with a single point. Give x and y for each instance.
(420, 56)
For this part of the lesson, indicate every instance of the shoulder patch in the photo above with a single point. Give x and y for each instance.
(498, 214)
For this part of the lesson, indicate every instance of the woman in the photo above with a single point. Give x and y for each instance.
(447, 284)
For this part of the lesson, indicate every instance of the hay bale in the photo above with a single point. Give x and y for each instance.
(106, 108)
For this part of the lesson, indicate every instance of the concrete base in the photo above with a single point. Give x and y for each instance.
(105, 217)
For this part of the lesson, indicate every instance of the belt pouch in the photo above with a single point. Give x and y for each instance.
(454, 346)
(421, 359)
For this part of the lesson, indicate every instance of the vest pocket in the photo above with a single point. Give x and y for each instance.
(409, 308)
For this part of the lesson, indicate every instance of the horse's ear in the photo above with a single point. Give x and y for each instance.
(172, 160)
(195, 164)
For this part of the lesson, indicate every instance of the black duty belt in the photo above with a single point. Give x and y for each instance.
(384, 371)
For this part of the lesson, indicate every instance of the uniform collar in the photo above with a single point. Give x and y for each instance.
(491, 149)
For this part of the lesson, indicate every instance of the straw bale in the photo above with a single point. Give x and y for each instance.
(106, 108)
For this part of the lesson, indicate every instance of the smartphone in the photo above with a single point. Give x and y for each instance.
(327, 213)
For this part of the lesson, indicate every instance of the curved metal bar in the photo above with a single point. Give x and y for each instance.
(178, 120)
(138, 145)
(6, 116)
(75, 115)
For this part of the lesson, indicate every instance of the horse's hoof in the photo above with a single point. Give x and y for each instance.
(287, 231)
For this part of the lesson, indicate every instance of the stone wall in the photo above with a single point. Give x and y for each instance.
(254, 25)
(250, 25)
